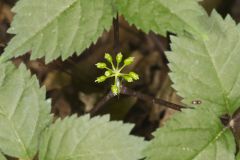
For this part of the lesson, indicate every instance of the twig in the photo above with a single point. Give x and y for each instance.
(139, 95)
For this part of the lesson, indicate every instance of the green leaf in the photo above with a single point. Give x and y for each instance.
(90, 139)
(192, 135)
(238, 156)
(24, 112)
(57, 27)
(2, 157)
(208, 69)
(161, 16)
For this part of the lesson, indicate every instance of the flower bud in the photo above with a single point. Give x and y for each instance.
(128, 61)
(119, 58)
(101, 79)
(128, 78)
(108, 73)
(108, 57)
(101, 65)
(134, 75)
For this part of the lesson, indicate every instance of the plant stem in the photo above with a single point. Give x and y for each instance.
(139, 95)
(116, 44)
(126, 91)
(101, 103)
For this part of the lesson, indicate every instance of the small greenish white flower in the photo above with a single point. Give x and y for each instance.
(108, 57)
(101, 65)
(128, 61)
(101, 79)
(119, 58)
(128, 78)
(134, 75)
(108, 73)
(115, 72)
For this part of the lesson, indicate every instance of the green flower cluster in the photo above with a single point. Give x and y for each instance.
(116, 72)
